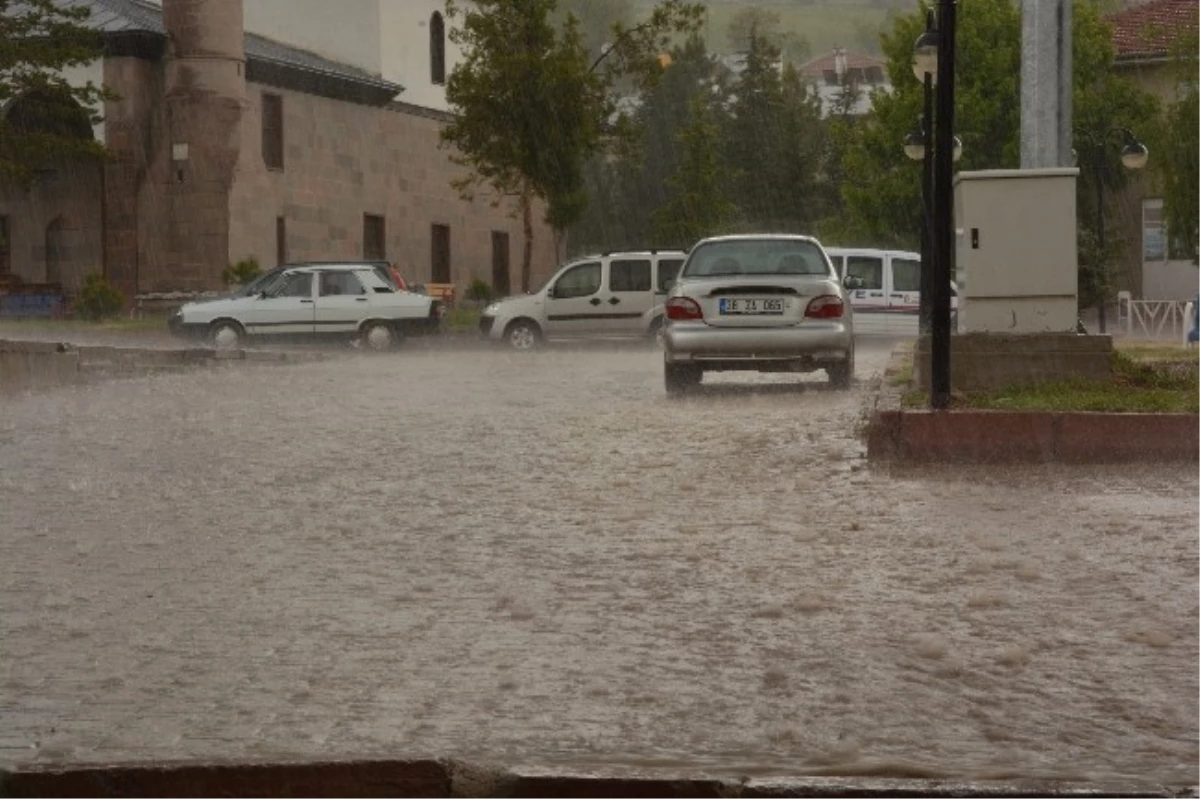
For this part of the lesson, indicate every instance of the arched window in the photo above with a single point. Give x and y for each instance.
(437, 49)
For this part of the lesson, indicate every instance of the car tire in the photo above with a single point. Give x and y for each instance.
(679, 379)
(379, 337)
(841, 374)
(523, 336)
(226, 334)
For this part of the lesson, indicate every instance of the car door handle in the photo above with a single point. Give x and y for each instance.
(360, 299)
(307, 301)
(613, 300)
(595, 300)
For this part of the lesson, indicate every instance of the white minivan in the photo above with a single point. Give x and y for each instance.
(888, 300)
(614, 295)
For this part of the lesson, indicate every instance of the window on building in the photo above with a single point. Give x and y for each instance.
(374, 238)
(5, 248)
(629, 275)
(272, 130)
(280, 240)
(831, 77)
(440, 254)
(874, 75)
(1157, 242)
(437, 48)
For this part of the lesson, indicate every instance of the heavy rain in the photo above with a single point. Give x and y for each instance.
(490, 527)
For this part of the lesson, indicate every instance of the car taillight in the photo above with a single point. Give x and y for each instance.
(827, 306)
(680, 309)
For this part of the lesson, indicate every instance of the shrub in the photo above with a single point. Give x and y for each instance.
(98, 299)
(242, 272)
(479, 291)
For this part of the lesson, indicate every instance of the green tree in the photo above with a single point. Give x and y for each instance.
(881, 191)
(532, 105)
(697, 206)
(1177, 160)
(38, 40)
(767, 24)
(774, 141)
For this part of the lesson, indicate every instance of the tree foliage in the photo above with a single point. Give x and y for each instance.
(1178, 158)
(754, 22)
(46, 121)
(533, 104)
(881, 191)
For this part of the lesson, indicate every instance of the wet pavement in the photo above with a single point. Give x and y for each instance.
(542, 561)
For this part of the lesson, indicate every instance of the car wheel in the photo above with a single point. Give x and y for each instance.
(378, 337)
(226, 335)
(842, 374)
(522, 336)
(680, 378)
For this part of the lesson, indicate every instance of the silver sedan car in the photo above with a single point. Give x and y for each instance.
(764, 303)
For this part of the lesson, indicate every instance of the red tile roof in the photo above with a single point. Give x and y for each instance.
(817, 66)
(1150, 29)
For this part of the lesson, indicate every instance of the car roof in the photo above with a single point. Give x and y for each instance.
(334, 267)
(626, 254)
(870, 251)
(759, 237)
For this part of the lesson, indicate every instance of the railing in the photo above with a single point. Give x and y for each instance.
(1160, 319)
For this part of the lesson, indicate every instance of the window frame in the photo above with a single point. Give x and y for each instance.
(272, 132)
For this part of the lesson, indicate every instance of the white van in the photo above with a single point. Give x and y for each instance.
(614, 295)
(889, 299)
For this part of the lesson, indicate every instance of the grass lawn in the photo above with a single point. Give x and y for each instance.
(462, 320)
(1146, 379)
(154, 324)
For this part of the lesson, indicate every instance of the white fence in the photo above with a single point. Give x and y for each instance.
(1158, 319)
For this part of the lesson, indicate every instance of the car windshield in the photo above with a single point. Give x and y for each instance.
(762, 257)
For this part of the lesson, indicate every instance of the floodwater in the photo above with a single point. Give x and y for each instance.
(542, 561)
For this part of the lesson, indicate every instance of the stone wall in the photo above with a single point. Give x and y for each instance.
(344, 160)
(55, 229)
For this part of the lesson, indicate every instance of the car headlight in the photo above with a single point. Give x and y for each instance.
(492, 309)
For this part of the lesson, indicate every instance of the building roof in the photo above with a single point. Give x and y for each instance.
(1149, 30)
(267, 60)
(818, 66)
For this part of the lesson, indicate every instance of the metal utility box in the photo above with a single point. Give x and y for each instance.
(1017, 267)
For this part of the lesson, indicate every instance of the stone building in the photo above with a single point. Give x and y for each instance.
(280, 129)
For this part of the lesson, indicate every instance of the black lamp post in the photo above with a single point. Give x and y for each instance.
(943, 210)
(1134, 156)
(937, 148)
(917, 146)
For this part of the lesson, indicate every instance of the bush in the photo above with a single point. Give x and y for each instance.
(242, 272)
(479, 291)
(98, 299)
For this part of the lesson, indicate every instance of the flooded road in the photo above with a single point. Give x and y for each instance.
(540, 560)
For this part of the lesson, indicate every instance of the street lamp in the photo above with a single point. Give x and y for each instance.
(916, 146)
(1134, 155)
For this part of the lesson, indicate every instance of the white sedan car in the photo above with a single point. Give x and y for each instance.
(314, 301)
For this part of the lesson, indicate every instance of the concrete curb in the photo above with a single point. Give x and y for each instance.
(970, 436)
(437, 778)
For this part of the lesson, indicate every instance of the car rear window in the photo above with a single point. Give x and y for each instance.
(374, 283)
(763, 257)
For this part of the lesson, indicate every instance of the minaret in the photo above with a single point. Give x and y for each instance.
(205, 97)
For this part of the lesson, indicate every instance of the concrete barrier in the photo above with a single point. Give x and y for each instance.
(32, 366)
(438, 778)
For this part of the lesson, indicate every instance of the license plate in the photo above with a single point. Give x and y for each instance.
(732, 307)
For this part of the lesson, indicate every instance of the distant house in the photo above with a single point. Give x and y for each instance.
(845, 80)
(1145, 37)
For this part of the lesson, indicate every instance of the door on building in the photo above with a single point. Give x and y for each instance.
(374, 238)
(342, 302)
(501, 280)
(287, 309)
(440, 254)
(573, 302)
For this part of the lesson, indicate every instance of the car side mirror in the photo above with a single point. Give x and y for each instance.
(851, 282)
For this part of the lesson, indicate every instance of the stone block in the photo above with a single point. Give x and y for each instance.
(1125, 437)
(990, 361)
